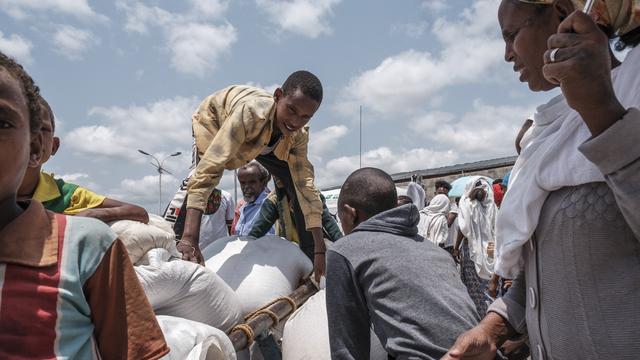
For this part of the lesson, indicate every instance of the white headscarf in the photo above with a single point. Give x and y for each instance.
(477, 223)
(433, 224)
(417, 194)
(550, 160)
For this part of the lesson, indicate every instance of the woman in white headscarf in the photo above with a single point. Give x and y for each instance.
(568, 231)
(476, 220)
(433, 224)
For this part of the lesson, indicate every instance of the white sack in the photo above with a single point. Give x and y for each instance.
(187, 290)
(306, 333)
(139, 238)
(191, 340)
(258, 270)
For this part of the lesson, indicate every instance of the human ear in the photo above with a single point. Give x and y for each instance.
(55, 145)
(277, 94)
(36, 151)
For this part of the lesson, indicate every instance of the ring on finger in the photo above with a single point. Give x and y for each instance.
(553, 54)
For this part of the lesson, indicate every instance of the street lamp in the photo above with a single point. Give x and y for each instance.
(159, 167)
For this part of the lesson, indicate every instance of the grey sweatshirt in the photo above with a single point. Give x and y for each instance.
(386, 276)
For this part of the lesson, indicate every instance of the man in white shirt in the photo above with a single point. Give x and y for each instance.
(216, 221)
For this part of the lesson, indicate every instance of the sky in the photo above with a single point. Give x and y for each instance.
(126, 75)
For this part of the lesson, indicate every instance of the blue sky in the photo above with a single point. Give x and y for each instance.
(125, 75)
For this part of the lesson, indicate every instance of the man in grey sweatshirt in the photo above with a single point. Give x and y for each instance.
(384, 275)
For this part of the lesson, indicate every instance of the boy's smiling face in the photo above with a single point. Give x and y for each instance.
(293, 111)
(19, 147)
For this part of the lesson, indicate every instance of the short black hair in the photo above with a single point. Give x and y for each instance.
(497, 181)
(306, 82)
(444, 184)
(370, 190)
(44, 105)
(29, 90)
(404, 200)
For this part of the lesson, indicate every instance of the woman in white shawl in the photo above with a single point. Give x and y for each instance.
(476, 220)
(433, 224)
(568, 231)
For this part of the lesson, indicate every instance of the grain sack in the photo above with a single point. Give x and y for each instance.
(187, 290)
(191, 340)
(258, 270)
(306, 333)
(139, 238)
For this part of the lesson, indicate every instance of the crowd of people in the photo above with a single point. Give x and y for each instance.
(546, 264)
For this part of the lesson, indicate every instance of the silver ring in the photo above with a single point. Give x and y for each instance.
(553, 54)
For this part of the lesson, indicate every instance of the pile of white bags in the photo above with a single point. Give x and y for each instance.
(194, 341)
(139, 238)
(258, 270)
(187, 290)
(306, 333)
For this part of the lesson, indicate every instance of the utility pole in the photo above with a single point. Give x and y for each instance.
(360, 136)
(159, 165)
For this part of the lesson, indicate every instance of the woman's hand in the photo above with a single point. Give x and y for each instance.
(582, 68)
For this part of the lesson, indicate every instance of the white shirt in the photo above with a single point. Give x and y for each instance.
(453, 230)
(214, 226)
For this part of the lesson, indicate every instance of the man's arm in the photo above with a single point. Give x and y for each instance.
(229, 213)
(616, 152)
(114, 210)
(308, 195)
(349, 324)
(207, 176)
(266, 218)
(125, 326)
(330, 225)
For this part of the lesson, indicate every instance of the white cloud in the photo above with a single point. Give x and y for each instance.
(303, 17)
(145, 191)
(159, 128)
(72, 42)
(17, 47)
(196, 48)
(412, 30)
(485, 132)
(73, 177)
(80, 9)
(435, 6)
(392, 161)
(269, 88)
(195, 44)
(324, 141)
(402, 83)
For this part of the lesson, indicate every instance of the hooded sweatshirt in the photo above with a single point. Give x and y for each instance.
(384, 275)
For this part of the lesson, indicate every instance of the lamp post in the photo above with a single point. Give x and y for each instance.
(159, 167)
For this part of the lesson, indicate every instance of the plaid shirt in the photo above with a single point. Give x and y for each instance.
(231, 128)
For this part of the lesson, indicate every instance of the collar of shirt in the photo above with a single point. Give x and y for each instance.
(31, 239)
(47, 188)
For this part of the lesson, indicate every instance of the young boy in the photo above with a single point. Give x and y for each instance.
(382, 274)
(67, 287)
(65, 198)
(242, 123)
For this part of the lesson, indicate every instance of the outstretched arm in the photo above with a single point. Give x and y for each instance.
(114, 210)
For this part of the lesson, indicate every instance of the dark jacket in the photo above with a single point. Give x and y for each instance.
(384, 275)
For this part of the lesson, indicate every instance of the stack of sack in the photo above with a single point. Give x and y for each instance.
(306, 333)
(194, 306)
